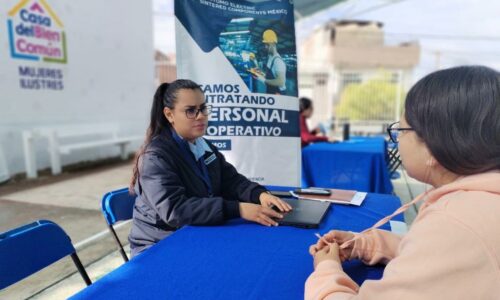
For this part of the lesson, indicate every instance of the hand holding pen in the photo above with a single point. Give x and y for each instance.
(330, 251)
(342, 238)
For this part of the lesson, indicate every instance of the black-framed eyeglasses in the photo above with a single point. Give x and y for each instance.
(393, 131)
(192, 112)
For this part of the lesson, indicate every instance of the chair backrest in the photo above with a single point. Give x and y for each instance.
(30, 248)
(394, 159)
(117, 206)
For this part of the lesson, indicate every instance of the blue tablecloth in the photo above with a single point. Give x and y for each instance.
(357, 164)
(238, 260)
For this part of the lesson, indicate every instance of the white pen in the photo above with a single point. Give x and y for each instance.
(321, 238)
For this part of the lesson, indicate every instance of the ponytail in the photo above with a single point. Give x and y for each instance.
(157, 122)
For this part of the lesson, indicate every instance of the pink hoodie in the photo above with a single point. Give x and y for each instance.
(452, 250)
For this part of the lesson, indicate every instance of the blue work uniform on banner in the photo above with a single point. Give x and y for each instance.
(268, 71)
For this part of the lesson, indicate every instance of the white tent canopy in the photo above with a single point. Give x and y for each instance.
(304, 8)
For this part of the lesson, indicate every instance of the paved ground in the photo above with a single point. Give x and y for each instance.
(83, 192)
(73, 201)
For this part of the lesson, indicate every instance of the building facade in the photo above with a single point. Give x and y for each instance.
(342, 53)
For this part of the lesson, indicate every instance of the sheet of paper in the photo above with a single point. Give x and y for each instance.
(398, 227)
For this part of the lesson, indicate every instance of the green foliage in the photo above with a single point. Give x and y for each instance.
(372, 100)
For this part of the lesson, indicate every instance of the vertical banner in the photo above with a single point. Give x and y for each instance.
(243, 54)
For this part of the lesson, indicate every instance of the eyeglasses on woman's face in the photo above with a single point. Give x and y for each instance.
(193, 112)
(394, 130)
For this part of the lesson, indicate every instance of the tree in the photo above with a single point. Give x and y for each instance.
(372, 100)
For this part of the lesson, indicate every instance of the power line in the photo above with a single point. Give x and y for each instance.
(447, 37)
(425, 35)
(421, 35)
(458, 53)
(394, 35)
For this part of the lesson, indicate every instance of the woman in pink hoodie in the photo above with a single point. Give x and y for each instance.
(449, 137)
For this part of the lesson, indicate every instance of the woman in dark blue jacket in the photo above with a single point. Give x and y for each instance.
(181, 179)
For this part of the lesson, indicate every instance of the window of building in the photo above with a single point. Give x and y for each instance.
(350, 78)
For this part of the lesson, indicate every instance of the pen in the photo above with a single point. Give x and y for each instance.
(321, 238)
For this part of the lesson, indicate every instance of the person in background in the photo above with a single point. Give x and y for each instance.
(182, 179)
(308, 136)
(449, 137)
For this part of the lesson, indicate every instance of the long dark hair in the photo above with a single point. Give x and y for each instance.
(165, 96)
(456, 112)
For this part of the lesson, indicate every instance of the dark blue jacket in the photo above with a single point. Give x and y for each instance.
(172, 194)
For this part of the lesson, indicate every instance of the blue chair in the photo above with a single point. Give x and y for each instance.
(32, 247)
(117, 206)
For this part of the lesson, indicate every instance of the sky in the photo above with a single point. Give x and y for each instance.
(450, 32)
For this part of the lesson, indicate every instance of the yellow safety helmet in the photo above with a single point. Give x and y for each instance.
(269, 36)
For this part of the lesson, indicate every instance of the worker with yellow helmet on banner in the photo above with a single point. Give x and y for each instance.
(274, 75)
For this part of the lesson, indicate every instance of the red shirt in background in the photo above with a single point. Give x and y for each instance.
(306, 136)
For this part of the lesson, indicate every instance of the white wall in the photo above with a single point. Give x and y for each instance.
(108, 76)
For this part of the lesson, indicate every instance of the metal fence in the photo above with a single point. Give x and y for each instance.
(366, 99)
(369, 96)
